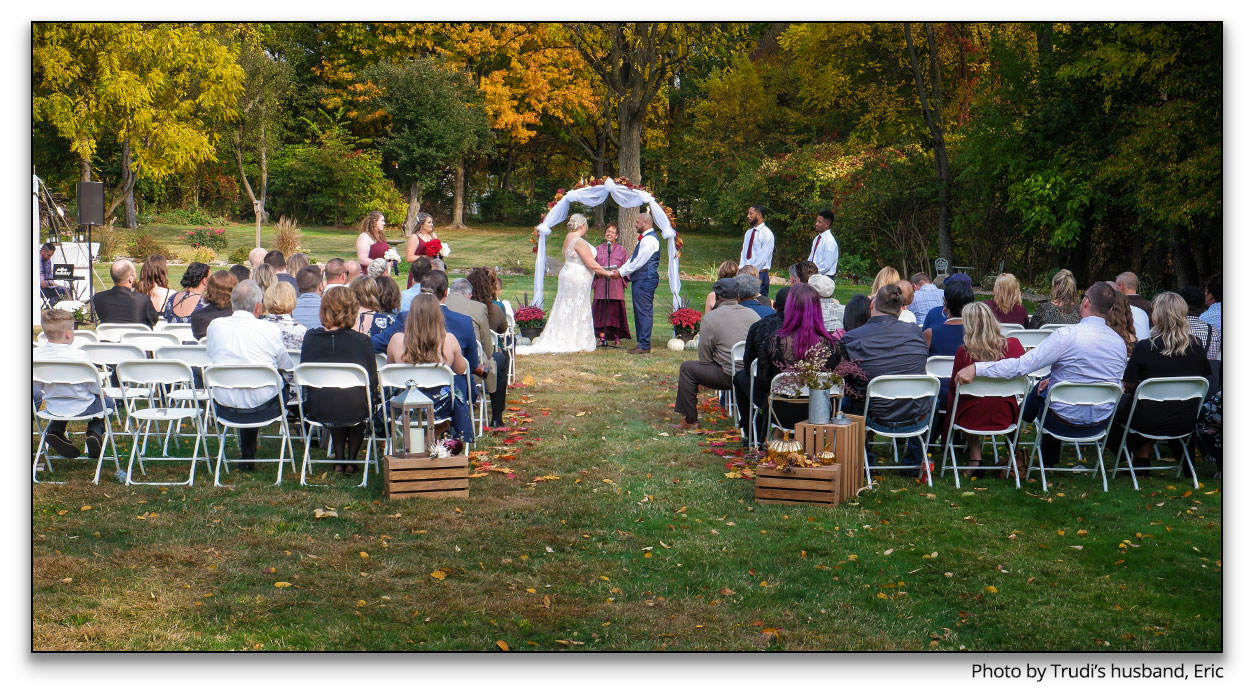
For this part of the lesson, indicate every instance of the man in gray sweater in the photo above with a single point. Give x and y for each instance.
(719, 330)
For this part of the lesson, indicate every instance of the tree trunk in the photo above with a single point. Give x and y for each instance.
(628, 166)
(258, 206)
(934, 122)
(458, 197)
(598, 167)
(1183, 265)
(124, 188)
(84, 169)
(263, 215)
(507, 183)
(414, 207)
(130, 218)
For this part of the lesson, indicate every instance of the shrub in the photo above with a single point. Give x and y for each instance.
(240, 255)
(200, 254)
(112, 241)
(213, 238)
(330, 182)
(191, 215)
(145, 246)
(288, 238)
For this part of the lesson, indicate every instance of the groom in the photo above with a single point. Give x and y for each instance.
(642, 272)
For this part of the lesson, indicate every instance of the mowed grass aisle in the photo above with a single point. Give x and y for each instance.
(592, 525)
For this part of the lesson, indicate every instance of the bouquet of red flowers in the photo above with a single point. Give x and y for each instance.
(685, 319)
(530, 316)
(432, 248)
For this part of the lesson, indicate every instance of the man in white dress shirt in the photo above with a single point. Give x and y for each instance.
(824, 249)
(758, 246)
(243, 339)
(642, 270)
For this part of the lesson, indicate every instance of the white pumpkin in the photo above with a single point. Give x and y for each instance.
(676, 344)
(523, 341)
(693, 345)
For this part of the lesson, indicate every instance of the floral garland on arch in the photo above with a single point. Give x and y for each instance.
(592, 193)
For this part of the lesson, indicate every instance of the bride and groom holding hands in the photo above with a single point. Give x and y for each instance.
(570, 326)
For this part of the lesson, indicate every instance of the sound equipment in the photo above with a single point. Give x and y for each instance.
(90, 203)
(62, 272)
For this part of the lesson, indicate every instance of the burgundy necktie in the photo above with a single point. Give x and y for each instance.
(815, 244)
(751, 245)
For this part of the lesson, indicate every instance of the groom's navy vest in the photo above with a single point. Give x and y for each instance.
(650, 271)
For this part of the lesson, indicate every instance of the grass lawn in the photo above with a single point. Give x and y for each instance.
(593, 525)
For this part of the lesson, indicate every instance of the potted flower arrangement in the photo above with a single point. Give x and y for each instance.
(685, 322)
(530, 321)
(77, 307)
(810, 373)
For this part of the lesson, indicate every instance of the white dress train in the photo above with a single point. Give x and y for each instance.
(569, 327)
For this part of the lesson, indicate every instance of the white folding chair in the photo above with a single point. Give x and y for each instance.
(482, 399)
(1079, 394)
(107, 356)
(1157, 391)
(1053, 327)
(752, 409)
(196, 357)
(113, 331)
(428, 375)
(940, 366)
(159, 377)
(508, 340)
(58, 372)
(149, 341)
(181, 330)
(772, 422)
(1005, 327)
(726, 397)
(335, 376)
(247, 377)
(893, 387)
(1029, 338)
(1016, 388)
(81, 336)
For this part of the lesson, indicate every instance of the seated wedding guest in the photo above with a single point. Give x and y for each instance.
(154, 282)
(1063, 307)
(242, 338)
(1139, 324)
(388, 297)
(1089, 351)
(459, 299)
(944, 338)
(377, 268)
(68, 400)
(278, 262)
(1006, 304)
(939, 314)
(906, 315)
(307, 311)
(279, 301)
(241, 272)
(886, 346)
(1170, 352)
(858, 311)
(486, 290)
(1127, 283)
(121, 303)
(728, 269)
(420, 268)
(296, 262)
(256, 257)
(1205, 333)
(886, 275)
(264, 277)
(801, 329)
(336, 272)
(718, 332)
(344, 411)
(191, 298)
(1213, 300)
(831, 309)
(425, 340)
(750, 297)
(983, 341)
(50, 288)
(1120, 319)
(762, 299)
(216, 302)
(369, 319)
(926, 296)
(353, 268)
(801, 272)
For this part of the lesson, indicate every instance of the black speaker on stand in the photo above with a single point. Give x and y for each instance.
(90, 212)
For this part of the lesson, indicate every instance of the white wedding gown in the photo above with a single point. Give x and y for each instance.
(569, 328)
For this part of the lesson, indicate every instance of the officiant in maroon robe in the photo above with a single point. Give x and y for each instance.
(608, 300)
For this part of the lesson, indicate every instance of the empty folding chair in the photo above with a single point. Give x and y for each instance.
(160, 377)
(897, 387)
(56, 372)
(107, 356)
(113, 331)
(1005, 327)
(335, 376)
(1014, 388)
(1088, 394)
(181, 330)
(1029, 338)
(1053, 327)
(1153, 393)
(224, 377)
(149, 341)
(396, 377)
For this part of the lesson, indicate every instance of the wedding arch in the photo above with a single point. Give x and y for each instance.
(626, 195)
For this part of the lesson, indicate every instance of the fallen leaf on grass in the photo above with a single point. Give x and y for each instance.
(503, 645)
(88, 508)
(281, 584)
(325, 513)
(438, 575)
(726, 592)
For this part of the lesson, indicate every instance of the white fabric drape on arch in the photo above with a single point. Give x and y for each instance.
(593, 196)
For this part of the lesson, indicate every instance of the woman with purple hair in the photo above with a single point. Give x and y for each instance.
(800, 328)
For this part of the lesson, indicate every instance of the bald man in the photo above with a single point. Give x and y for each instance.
(353, 269)
(1127, 283)
(256, 257)
(122, 303)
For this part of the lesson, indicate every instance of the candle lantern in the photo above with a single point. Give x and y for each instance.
(412, 421)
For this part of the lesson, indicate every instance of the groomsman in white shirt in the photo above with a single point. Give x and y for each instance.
(824, 248)
(758, 246)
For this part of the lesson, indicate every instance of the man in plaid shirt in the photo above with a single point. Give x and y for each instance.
(926, 298)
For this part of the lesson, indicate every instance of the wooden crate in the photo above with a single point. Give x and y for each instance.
(819, 486)
(846, 441)
(425, 477)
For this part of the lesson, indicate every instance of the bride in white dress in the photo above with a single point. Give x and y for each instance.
(569, 327)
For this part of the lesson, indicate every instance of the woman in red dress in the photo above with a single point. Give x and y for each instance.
(983, 341)
(417, 243)
(372, 242)
(608, 300)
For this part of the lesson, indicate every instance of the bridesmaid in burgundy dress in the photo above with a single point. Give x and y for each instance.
(416, 245)
(372, 242)
(608, 299)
